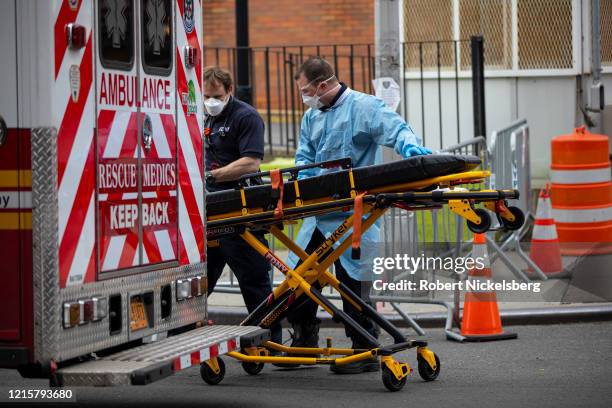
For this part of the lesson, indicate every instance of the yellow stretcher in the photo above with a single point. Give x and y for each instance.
(418, 182)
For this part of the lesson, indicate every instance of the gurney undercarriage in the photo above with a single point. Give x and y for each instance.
(415, 183)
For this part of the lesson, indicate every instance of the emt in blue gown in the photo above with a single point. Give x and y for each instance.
(342, 122)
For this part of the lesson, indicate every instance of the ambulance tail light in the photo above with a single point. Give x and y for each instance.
(75, 36)
(100, 308)
(86, 307)
(191, 287)
(203, 285)
(183, 289)
(72, 314)
(195, 286)
(192, 57)
(84, 311)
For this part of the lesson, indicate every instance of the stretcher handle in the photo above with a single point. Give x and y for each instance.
(443, 196)
(345, 163)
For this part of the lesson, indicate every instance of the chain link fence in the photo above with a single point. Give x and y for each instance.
(275, 94)
(516, 37)
(605, 19)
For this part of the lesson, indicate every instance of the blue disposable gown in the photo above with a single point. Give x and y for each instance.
(354, 127)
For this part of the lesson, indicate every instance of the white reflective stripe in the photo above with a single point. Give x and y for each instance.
(149, 194)
(15, 199)
(580, 176)
(75, 168)
(480, 251)
(186, 230)
(205, 354)
(164, 245)
(223, 347)
(84, 247)
(117, 134)
(159, 137)
(185, 361)
(113, 252)
(544, 209)
(130, 196)
(582, 215)
(547, 232)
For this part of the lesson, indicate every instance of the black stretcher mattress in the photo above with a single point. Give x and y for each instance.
(336, 184)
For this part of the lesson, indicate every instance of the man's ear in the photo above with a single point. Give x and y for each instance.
(230, 89)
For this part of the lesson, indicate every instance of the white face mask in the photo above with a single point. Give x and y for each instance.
(314, 101)
(215, 106)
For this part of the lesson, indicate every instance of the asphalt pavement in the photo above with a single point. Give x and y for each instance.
(567, 365)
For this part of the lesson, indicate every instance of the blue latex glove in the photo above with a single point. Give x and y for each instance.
(412, 150)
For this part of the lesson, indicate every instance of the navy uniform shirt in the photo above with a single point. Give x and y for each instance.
(238, 131)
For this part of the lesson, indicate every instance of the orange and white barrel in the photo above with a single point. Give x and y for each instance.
(582, 192)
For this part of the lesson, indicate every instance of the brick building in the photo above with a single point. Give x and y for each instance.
(291, 22)
(293, 31)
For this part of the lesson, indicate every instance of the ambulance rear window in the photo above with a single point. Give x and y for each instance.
(157, 36)
(116, 29)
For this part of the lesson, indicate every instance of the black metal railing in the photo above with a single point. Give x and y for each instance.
(273, 89)
(433, 70)
(441, 81)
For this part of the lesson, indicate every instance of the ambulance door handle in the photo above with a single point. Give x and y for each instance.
(3, 131)
(147, 133)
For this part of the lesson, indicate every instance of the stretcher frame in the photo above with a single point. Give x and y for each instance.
(306, 280)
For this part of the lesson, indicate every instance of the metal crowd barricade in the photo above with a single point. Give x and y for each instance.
(437, 232)
(509, 152)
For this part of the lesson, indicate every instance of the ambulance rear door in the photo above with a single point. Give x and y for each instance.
(136, 139)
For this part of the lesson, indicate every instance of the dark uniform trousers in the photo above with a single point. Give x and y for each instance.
(306, 313)
(250, 268)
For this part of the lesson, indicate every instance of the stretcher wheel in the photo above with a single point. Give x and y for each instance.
(252, 368)
(425, 370)
(519, 219)
(485, 221)
(390, 381)
(209, 376)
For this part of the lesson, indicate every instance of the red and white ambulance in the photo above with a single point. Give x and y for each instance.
(102, 224)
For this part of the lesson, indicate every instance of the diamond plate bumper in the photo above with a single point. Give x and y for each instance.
(150, 362)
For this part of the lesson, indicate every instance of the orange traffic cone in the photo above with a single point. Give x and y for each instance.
(481, 321)
(545, 249)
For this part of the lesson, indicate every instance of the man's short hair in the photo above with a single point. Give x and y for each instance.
(218, 76)
(316, 70)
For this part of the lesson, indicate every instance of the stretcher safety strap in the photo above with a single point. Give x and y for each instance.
(357, 217)
(277, 186)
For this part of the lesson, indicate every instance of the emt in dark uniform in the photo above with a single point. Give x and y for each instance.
(234, 140)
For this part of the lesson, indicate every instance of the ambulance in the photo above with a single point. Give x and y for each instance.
(102, 200)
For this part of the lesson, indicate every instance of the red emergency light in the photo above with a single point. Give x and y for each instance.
(192, 57)
(75, 36)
